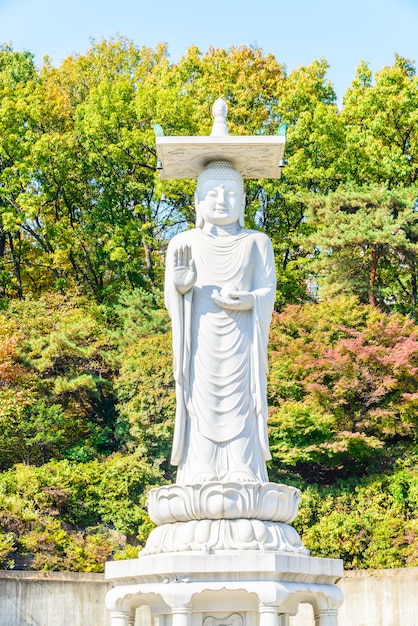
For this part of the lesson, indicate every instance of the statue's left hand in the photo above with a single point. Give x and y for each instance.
(234, 300)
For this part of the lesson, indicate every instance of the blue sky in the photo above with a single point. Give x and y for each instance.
(296, 31)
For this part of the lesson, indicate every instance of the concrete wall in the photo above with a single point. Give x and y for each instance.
(372, 598)
(52, 599)
(380, 598)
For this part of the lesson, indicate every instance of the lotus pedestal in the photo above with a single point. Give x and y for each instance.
(224, 554)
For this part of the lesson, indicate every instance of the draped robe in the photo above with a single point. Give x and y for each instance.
(220, 357)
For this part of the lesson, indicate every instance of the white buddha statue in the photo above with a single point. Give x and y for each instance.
(220, 291)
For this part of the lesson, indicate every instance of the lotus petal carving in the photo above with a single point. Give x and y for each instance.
(224, 534)
(216, 501)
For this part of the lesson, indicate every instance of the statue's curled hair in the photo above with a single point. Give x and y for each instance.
(218, 170)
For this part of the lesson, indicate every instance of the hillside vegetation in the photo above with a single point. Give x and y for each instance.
(86, 386)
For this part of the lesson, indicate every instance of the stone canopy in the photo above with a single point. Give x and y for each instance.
(255, 156)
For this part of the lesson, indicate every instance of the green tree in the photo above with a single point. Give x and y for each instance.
(366, 244)
(360, 166)
(17, 80)
(74, 516)
(364, 522)
(379, 115)
(57, 360)
(146, 399)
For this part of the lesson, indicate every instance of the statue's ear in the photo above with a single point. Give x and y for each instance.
(241, 215)
(199, 219)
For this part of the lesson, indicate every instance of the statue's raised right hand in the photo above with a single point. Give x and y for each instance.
(184, 269)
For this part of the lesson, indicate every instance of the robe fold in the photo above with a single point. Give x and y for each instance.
(220, 356)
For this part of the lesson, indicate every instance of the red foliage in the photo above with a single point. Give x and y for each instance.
(12, 372)
(364, 371)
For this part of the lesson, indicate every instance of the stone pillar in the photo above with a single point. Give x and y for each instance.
(284, 619)
(122, 618)
(180, 616)
(268, 615)
(325, 617)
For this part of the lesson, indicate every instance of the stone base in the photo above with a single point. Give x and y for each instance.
(229, 588)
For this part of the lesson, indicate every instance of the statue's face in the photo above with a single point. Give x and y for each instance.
(221, 202)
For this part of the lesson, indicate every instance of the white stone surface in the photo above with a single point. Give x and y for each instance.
(255, 157)
(219, 111)
(223, 516)
(219, 339)
(259, 587)
(224, 566)
(217, 500)
(371, 598)
(208, 535)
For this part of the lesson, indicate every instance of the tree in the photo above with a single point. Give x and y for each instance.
(370, 523)
(95, 172)
(17, 80)
(382, 126)
(74, 516)
(366, 244)
(146, 399)
(360, 168)
(342, 388)
(57, 361)
(85, 206)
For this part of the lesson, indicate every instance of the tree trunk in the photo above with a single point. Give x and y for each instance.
(2, 252)
(97, 277)
(372, 278)
(414, 288)
(148, 261)
(16, 267)
(2, 243)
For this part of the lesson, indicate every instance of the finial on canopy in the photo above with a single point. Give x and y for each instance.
(219, 112)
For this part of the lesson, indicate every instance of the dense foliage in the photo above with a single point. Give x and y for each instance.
(342, 388)
(86, 388)
(73, 516)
